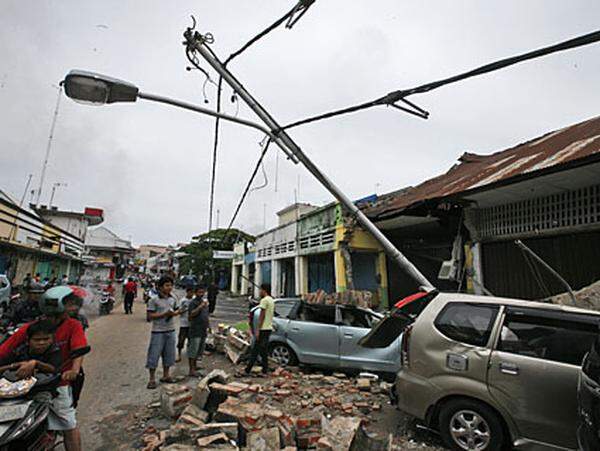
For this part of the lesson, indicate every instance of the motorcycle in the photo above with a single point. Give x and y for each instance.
(23, 418)
(107, 302)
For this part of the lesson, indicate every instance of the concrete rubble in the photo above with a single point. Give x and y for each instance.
(587, 298)
(288, 410)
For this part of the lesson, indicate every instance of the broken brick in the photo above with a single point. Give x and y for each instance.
(229, 429)
(363, 384)
(228, 389)
(216, 438)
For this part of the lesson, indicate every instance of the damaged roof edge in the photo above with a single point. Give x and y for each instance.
(570, 147)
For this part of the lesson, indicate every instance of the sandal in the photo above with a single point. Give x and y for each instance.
(151, 385)
(167, 380)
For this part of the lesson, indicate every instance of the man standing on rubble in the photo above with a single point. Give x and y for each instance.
(264, 329)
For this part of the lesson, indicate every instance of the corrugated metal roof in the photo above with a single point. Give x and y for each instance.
(477, 171)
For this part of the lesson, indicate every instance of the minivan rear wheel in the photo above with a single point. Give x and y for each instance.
(468, 425)
(283, 354)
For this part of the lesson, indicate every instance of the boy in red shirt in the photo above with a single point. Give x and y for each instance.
(68, 337)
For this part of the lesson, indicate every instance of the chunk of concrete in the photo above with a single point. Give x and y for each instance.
(193, 416)
(264, 440)
(339, 433)
(202, 393)
(174, 398)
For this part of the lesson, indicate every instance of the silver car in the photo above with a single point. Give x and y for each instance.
(327, 336)
(490, 373)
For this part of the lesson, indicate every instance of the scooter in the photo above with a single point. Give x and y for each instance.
(23, 419)
(107, 302)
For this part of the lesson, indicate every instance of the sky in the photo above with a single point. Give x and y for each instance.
(148, 165)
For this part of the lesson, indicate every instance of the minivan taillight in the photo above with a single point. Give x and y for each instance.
(405, 346)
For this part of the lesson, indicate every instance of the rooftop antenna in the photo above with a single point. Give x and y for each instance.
(48, 147)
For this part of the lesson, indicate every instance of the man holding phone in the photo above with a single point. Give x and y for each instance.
(163, 342)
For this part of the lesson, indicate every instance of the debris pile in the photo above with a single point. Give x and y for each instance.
(229, 341)
(289, 410)
(587, 298)
(356, 298)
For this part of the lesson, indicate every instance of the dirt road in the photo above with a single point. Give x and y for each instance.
(115, 375)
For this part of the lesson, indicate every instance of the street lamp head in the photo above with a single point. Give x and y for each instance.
(97, 89)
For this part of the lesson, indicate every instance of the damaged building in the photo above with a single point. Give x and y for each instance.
(460, 228)
(313, 249)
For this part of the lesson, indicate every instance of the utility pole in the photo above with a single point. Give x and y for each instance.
(48, 147)
(196, 42)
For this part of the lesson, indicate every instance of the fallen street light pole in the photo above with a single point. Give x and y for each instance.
(226, 117)
(196, 42)
(97, 89)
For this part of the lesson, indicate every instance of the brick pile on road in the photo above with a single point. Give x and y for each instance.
(288, 410)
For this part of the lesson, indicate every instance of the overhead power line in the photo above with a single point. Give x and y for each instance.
(292, 16)
(394, 97)
(247, 189)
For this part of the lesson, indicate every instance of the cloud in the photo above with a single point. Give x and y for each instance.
(149, 165)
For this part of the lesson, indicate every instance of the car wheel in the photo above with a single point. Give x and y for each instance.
(283, 354)
(467, 425)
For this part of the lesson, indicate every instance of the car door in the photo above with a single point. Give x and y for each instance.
(534, 368)
(404, 313)
(355, 324)
(314, 335)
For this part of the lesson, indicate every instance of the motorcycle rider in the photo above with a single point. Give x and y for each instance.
(28, 309)
(69, 336)
(39, 348)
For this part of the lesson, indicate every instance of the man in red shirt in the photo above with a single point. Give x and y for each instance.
(130, 291)
(69, 336)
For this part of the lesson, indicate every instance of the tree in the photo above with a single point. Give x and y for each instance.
(199, 258)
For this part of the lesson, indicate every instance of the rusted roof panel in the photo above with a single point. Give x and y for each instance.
(476, 171)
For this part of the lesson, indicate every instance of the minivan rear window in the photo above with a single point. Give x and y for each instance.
(467, 323)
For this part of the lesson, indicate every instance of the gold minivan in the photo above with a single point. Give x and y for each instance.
(489, 373)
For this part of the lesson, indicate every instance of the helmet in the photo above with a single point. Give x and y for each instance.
(52, 301)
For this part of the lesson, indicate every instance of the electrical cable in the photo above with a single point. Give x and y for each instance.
(536, 274)
(247, 189)
(213, 175)
(400, 95)
(301, 7)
